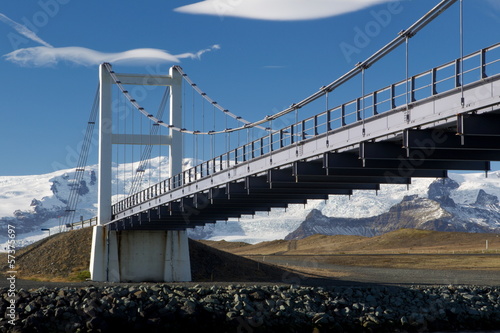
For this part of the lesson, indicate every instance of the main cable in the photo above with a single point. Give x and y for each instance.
(400, 39)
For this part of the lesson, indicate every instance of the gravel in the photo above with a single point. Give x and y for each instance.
(249, 308)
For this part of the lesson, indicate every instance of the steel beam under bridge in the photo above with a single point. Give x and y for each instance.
(388, 151)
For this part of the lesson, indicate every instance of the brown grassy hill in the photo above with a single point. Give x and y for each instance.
(264, 248)
(398, 249)
(210, 264)
(66, 257)
(400, 241)
(224, 245)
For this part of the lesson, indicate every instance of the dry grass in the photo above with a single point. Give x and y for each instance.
(441, 262)
(400, 241)
(421, 248)
(61, 257)
(65, 257)
(317, 272)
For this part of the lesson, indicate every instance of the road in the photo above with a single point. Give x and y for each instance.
(389, 276)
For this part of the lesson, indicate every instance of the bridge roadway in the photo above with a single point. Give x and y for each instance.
(312, 160)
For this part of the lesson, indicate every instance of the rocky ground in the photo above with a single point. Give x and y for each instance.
(235, 294)
(243, 308)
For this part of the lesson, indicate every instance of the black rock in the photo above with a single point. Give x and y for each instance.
(485, 199)
(440, 191)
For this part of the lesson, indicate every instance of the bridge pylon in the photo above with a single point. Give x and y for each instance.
(136, 255)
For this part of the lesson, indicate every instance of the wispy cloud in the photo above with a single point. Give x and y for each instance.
(495, 4)
(23, 30)
(273, 67)
(277, 10)
(47, 55)
(41, 56)
(495, 13)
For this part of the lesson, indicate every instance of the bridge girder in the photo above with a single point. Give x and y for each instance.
(469, 143)
(351, 161)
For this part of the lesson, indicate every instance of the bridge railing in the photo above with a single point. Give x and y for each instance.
(474, 67)
(82, 224)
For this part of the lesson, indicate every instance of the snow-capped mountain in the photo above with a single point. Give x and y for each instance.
(35, 202)
(437, 211)
(32, 203)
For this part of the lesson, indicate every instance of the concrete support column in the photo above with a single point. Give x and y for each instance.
(100, 250)
(177, 261)
(104, 256)
(140, 256)
(105, 147)
(136, 255)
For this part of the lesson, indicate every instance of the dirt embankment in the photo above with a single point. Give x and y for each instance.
(66, 257)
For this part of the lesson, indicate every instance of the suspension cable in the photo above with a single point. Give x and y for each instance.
(193, 121)
(124, 156)
(76, 186)
(400, 39)
(328, 120)
(363, 70)
(407, 112)
(462, 81)
(211, 101)
(146, 152)
(117, 149)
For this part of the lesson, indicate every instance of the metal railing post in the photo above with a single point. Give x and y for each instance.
(375, 106)
(457, 74)
(483, 64)
(433, 81)
(342, 115)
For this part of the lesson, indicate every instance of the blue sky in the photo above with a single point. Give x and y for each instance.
(254, 58)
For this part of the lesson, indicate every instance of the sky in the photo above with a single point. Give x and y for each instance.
(254, 57)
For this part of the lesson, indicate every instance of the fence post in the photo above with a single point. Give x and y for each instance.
(483, 64)
(393, 96)
(315, 125)
(457, 73)
(433, 81)
(342, 115)
(358, 109)
(412, 90)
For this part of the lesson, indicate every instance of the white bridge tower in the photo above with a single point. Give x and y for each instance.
(137, 255)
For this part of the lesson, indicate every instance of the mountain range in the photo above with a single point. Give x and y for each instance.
(463, 202)
(437, 211)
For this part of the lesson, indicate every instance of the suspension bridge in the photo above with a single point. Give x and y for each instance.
(445, 118)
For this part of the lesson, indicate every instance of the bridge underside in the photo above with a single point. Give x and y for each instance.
(468, 143)
(456, 129)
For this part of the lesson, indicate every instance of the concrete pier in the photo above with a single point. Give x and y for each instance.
(139, 256)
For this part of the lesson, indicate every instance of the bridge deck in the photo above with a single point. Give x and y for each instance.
(312, 159)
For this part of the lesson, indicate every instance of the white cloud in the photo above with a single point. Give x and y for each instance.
(49, 56)
(495, 4)
(278, 10)
(23, 30)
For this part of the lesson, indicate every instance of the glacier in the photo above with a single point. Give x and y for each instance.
(38, 202)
